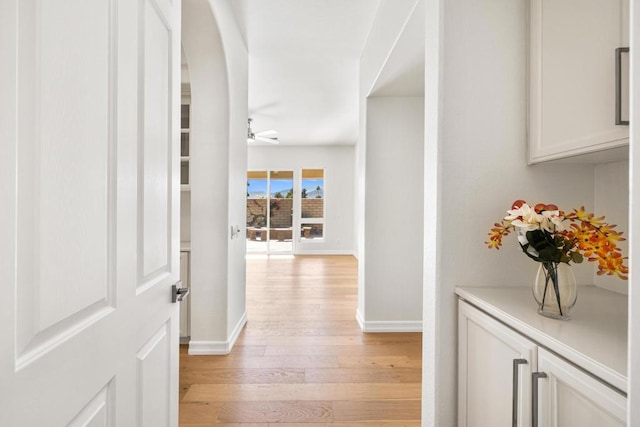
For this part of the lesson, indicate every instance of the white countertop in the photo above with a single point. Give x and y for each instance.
(595, 338)
(185, 246)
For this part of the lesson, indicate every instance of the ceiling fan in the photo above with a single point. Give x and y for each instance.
(270, 136)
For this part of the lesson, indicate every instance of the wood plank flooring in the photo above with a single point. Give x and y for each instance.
(302, 358)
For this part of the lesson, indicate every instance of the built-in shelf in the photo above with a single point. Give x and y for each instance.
(185, 148)
(595, 339)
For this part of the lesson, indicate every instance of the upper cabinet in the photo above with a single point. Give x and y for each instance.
(574, 77)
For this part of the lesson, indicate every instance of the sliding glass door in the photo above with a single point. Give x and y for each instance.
(270, 212)
(280, 212)
(257, 213)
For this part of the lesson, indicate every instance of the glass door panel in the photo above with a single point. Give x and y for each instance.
(280, 212)
(257, 213)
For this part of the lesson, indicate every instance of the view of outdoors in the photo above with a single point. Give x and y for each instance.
(312, 204)
(270, 200)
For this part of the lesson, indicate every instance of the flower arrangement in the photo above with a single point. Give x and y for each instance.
(549, 235)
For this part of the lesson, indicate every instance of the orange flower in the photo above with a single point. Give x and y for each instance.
(497, 233)
(613, 265)
(585, 217)
(587, 235)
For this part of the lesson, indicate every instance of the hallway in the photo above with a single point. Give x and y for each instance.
(302, 357)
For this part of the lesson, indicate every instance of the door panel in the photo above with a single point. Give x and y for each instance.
(90, 211)
(65, 154)
(154, 382)
(98, 412)
(155, 142)
(280, 212)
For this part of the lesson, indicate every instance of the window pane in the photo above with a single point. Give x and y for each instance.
(281, 185)
(312, 193)
(281, 203)
(312, 208)
(257, 211)
(257, 185)
(311, 231)
(312, 184)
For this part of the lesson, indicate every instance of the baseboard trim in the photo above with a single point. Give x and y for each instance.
(212, 348)
(237, 330)
(325, 252)
(203, 348)
(373, 326)
(360, 320)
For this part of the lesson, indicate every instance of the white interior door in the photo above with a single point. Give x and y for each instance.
(89, 224)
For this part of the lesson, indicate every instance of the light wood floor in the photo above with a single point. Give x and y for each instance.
(302, 358)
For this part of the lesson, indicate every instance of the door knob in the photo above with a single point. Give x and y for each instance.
(178, 294)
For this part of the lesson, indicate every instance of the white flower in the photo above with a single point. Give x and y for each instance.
(552, 221)
(524, 217)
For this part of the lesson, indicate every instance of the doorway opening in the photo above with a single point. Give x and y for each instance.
(185, 198)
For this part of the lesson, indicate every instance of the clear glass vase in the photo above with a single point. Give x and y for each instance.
(555, 290)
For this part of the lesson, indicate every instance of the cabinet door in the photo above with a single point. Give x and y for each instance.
(569, 397)
(573, 75)
(185, 304)
(487, 386)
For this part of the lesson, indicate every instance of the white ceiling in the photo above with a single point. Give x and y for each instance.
(303, 66)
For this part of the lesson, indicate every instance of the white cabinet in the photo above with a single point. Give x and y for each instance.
(570, 398)
(573, 100)
(496, 371)
(185, 305)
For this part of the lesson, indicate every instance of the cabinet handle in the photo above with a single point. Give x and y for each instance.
(534, 407)
(514, 394)
(619, 52)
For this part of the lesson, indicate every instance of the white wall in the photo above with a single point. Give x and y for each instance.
(237, 62)
(393, 213)
(218, 67)
(476, 107)
(337, 162)
(391, 18)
